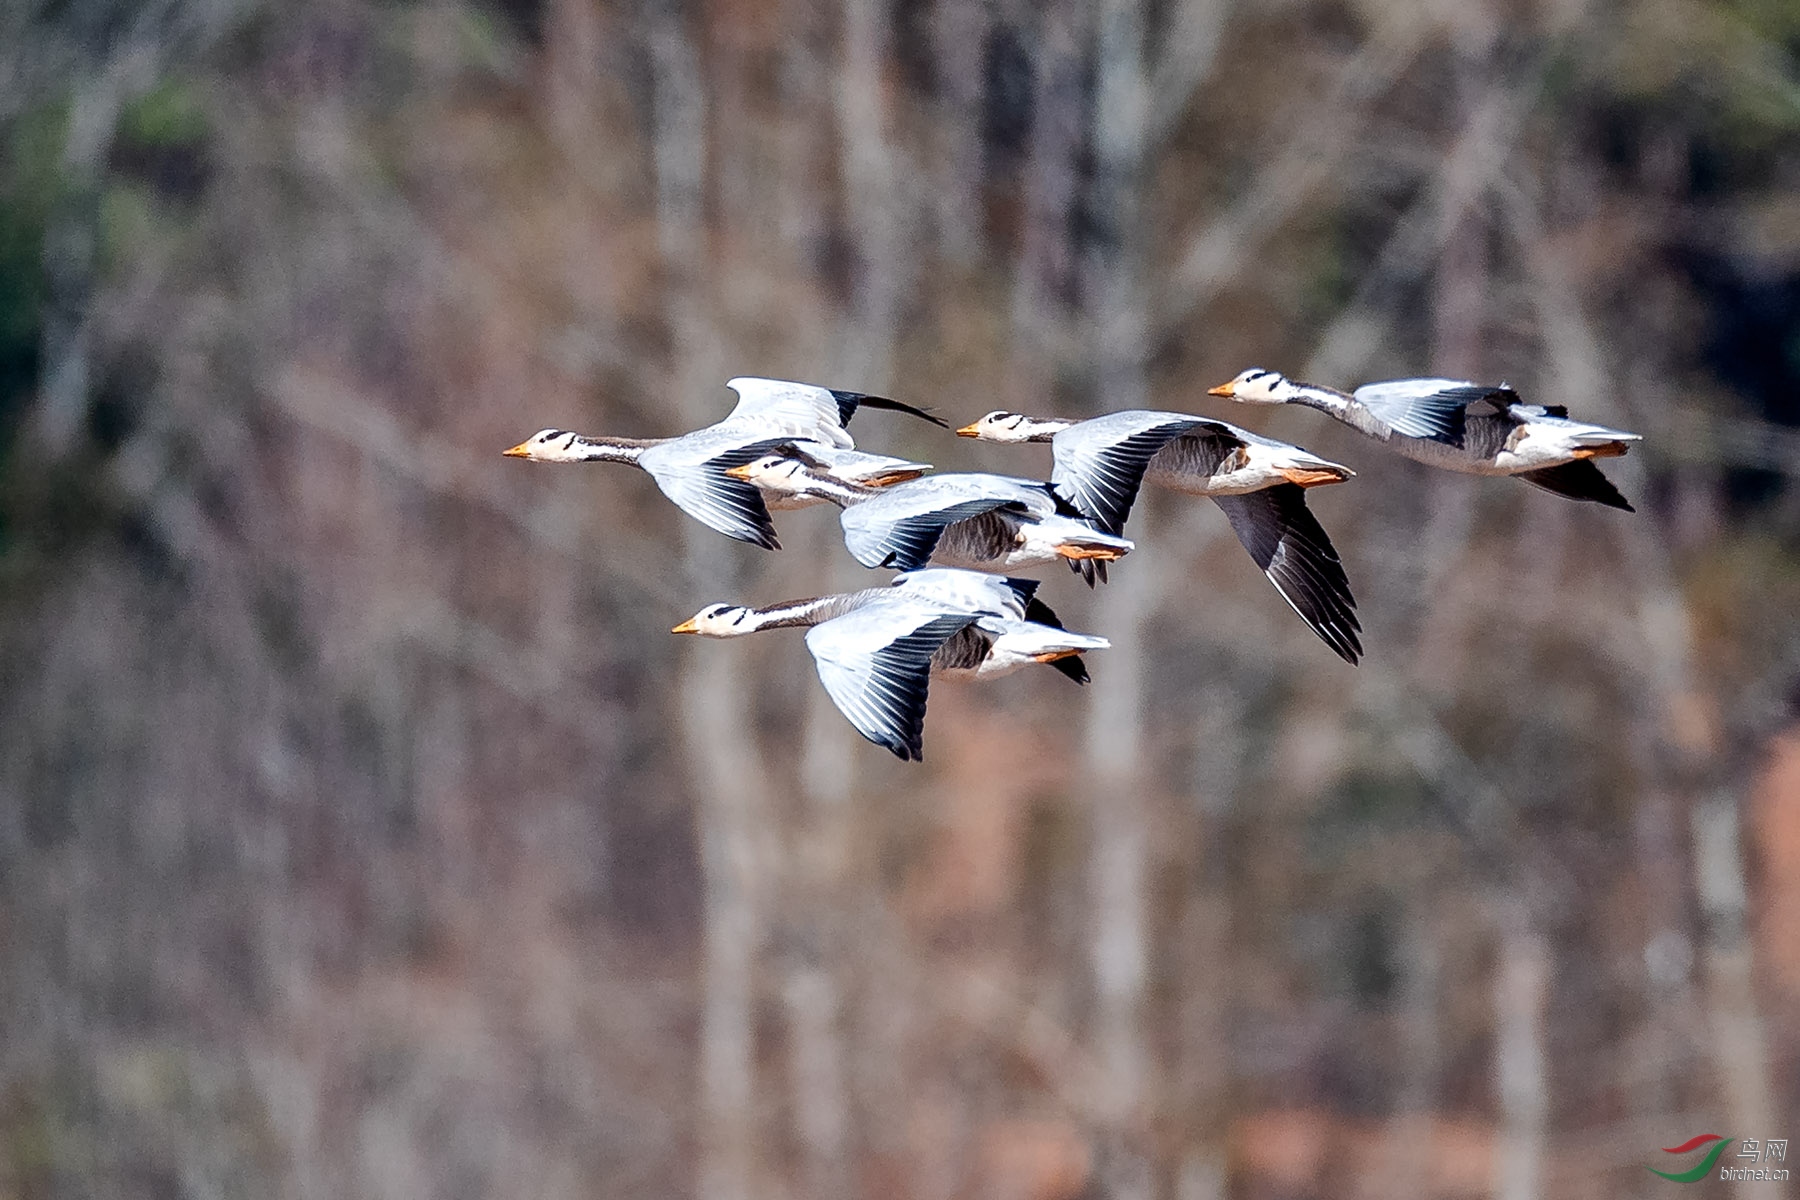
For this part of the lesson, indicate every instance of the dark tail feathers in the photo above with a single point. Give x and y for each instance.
(1071, 666)
(1579, 480)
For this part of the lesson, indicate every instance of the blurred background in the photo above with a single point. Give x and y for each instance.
(364, 833)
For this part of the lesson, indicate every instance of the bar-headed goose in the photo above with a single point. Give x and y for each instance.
(690, 469)
(1259, 482)
(1474, 428)
(978, 521)
(876, 648)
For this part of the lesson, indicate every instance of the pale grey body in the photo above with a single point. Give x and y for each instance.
(1473, 428)
(975, 521)
(874, 648)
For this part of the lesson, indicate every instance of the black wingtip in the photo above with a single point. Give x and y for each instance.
(764, 533)
(761, 535)
(1072, 667)
(848, 402)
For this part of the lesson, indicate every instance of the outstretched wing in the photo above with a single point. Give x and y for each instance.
(785, 400)
(900, 527)
(1291, 547)
(875, 664)
(1099, 464)
(1428, 408)
(976, 591)
(1579, 480)
(691, 471)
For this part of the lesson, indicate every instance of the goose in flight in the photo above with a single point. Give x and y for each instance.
(1469, 427)
(691, 469)
(977, 521)
(1259, 483)
(875, 649)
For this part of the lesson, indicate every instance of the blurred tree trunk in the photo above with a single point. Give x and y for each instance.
(1114, 768)
(1405, 1169)
(1521, 1067)
(823, 894)
(1204, 1060)
(731, 779)
(1044, 274)
(813, 946)
(1740, 1046)
(1459, 330)
(959, 42)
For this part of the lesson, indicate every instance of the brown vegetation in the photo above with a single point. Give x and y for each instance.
(363, 833)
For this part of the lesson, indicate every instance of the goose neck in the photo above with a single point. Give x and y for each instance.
(840, 492)
(612, 449)
(1044, 429)
(809, 611)
(1325, 399)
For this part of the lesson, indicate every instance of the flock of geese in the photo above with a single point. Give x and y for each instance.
(955, 610)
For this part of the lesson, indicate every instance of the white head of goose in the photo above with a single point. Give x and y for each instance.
(1258, 386)
(978, 521)
(562, 445)
(876, 648)
(1013, 428)
(690, 469)
(1100, 463)
(1474, 428)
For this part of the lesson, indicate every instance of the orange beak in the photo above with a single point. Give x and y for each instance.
(971, 430)
(686, 626)
(742, 472)
(1224, 389)
(522, 450)
(1050, 656)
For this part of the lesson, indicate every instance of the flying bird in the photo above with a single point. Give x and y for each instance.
(977, 521)
(876, 648)
(692, 469)
(1260, 483)
(1475, 428)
